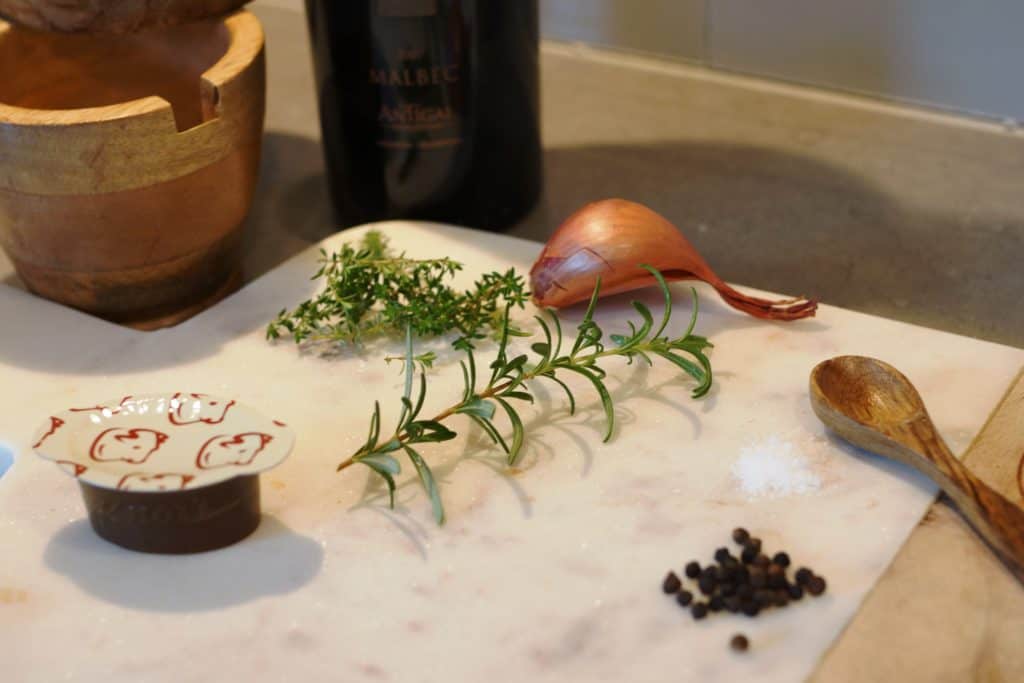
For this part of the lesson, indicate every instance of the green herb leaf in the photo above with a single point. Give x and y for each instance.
(384, 468)
(371, 439)
(517, 431)
(478, 407)
(389, 447)
(568, 392)
(519, 395)
(645, 313)
(369, 290)
(606, 399)
(490, 430)
(381, 463)
(429, 485)
(429, 431)
(663, 286)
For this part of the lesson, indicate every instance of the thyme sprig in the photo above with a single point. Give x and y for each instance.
(484, 394)
(370, 290)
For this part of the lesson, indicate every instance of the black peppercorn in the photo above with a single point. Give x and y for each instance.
(776, 577)
(753, 582)
(758, 579)
(739, 643)
(816, 586)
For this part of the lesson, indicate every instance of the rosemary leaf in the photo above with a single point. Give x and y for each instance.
(517, 430)
(429, 485)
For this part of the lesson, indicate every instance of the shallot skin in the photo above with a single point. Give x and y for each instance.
(611, 239)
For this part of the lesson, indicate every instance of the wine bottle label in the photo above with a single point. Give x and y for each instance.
(417, 69)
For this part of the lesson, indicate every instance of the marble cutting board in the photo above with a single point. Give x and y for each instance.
(550, 572)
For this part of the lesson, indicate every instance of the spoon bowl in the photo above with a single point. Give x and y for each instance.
(874, 406)
(868, 391)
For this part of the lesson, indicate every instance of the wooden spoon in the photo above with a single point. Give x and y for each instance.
(872, 405)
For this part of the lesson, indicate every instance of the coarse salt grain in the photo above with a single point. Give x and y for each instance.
(773, 468)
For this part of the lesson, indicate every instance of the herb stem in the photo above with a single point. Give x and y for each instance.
(508, 382)
(403, 437)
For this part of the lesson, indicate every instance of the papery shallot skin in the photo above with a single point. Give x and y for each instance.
(612, 238)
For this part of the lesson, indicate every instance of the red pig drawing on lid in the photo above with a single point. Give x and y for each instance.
(55, 424)
(238, 449)
(129, 445)
(198, 408)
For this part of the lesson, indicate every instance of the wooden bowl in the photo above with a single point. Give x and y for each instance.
(127, 164)
(111, 16)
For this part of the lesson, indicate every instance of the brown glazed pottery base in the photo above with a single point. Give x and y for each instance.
(161, 318)
(176, 522)
(185, 290)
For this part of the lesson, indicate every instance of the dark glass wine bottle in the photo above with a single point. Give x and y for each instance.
(429, 108)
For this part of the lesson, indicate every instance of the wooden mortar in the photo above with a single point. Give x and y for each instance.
(127, 163)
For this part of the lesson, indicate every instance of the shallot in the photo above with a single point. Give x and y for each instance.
(611, 238)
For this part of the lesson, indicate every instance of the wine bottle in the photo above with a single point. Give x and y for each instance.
(429, 108)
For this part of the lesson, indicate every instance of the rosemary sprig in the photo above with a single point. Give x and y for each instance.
(507, 383)
(370, 290)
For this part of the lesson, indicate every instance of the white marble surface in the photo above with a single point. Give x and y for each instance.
(550, 573)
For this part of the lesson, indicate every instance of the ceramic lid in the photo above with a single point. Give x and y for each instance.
(110, 16)
(163, 442)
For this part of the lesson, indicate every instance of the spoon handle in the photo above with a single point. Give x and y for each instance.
(999, 521)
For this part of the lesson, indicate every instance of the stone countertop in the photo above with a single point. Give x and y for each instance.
(896, 212)
(892, 211)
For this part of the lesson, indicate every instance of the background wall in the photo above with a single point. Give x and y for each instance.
(949, 54)
(960, 55)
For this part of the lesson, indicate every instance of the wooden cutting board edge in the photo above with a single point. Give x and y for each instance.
(953, 620)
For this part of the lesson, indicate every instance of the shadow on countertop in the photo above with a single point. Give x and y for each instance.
(274, 560)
